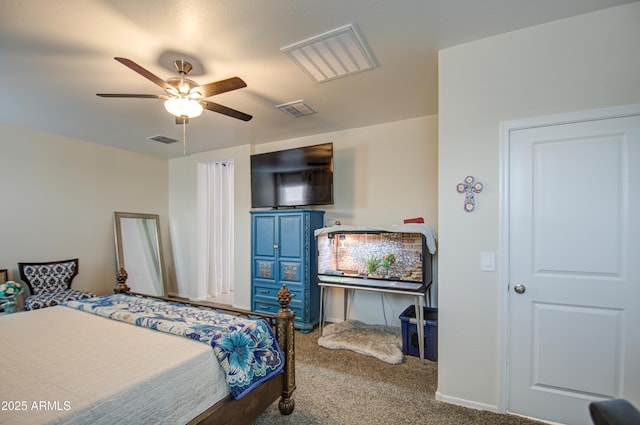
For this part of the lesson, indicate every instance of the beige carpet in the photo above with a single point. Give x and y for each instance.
(341, 387)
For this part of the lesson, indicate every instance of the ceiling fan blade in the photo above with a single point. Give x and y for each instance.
(225, 111)
(221, 86)
(144, 72)
(140, 96)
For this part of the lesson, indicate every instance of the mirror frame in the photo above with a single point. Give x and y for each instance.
(117, 216)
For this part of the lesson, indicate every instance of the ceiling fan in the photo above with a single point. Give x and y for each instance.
(184, 98)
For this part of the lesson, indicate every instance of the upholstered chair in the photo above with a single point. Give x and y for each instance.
(50, 283)
(617, 411)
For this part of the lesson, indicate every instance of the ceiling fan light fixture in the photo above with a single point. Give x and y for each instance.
(184, 87)
(183, 107)
(194, 94)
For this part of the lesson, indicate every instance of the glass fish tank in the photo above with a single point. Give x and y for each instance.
(393, 256)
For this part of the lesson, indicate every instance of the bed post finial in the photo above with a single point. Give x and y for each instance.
(284, 297)
(122, 277)
(286, 335)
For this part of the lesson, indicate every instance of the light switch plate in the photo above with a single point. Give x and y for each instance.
(488, 261)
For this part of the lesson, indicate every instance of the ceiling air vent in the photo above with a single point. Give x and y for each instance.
(162, 139)
(331, 55)
(297, 108)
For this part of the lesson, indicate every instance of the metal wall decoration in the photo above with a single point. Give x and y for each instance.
(264, 270)
(290, 272)
(469, 188)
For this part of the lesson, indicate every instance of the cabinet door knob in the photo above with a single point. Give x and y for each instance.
(275, 246)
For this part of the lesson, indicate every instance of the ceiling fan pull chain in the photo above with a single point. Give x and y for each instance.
(184, 137)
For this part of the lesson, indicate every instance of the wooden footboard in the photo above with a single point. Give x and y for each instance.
(286, 338)
(243, 411)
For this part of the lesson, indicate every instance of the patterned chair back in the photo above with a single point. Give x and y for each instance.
(49, 276)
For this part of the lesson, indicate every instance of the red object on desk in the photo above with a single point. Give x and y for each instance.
(414, 220)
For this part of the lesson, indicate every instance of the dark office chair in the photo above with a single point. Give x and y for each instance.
(614, 412)
(50, 283)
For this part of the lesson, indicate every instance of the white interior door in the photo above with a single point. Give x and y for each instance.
(574, 249)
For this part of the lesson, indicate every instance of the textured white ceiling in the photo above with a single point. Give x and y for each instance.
(56, 55)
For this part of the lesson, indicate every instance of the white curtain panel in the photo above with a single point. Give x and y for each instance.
(215, 229)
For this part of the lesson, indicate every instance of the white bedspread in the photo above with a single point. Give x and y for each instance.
(60, 365)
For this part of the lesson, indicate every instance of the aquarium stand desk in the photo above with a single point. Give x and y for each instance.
(417, 290)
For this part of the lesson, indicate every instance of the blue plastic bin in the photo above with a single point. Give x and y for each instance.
(410, 344)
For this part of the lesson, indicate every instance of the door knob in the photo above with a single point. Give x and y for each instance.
(520, 288)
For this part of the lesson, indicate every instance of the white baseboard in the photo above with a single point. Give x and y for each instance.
(333, 320)
(482, 406)
(466, 403)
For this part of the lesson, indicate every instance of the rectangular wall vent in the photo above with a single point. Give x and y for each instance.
(331, 55)
(162, 139)
(297, 108)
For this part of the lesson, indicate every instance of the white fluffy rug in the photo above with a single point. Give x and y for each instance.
(382, 342)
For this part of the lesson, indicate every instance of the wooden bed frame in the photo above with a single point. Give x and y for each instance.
(243, 411)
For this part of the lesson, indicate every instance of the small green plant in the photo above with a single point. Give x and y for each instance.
(386, 262)
(373, 264)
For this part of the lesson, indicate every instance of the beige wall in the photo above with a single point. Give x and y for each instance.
(382, 174)
(586, 62)
(58, 199)
(183, 211)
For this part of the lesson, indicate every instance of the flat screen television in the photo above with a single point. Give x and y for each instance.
(292, 177)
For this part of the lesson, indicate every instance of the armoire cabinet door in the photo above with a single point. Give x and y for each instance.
(283, 252)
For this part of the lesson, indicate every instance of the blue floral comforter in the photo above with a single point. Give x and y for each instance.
(246, 348)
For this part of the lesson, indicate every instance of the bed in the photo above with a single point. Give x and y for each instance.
(66, 365)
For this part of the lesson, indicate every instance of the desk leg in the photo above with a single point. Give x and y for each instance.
(345, 299)
(322, 307)
(419, 305)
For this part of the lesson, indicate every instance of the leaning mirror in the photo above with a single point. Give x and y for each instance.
(139, 251)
